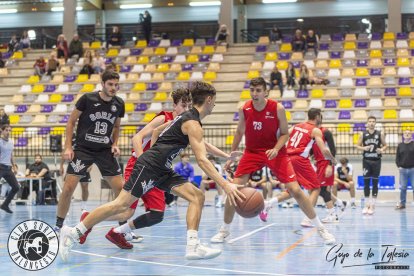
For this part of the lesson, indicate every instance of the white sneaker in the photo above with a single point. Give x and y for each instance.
(306, 222)
(131, 237)
(66, 243)
(285, 205)
(330, 218)
(371, 210)
(365, 210)
(199, 251)
(326, 236)
(220, 237)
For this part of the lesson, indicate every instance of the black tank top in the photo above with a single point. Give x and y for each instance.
(374, 141)
(257, 175)
(170, 144)
(97, 121)
(341, 174)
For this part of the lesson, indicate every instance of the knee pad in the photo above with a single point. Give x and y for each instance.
(325, 195)
(155, 217)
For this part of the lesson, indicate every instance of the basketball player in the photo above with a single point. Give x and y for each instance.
(153, 169)
(372, 143)
(263, 122)
(98, 116)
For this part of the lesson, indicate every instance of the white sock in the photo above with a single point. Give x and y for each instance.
(331, 211)
(352, 200)
(317, 222)
(83, 205)
(273, 201)
(78, 231)
(124, 228)
(192, 237)
(225, 227)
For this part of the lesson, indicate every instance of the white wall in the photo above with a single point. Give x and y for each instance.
(407, 6)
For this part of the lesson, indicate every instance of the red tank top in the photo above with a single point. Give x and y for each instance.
(262, 127)
(300, 140)
(317, 153)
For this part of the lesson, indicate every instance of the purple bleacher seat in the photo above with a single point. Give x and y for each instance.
(141, 107)
(176, 42)
(108, 60)
(359, 126)
(375, 72)
(287, 39)
(376, 36)
(335, 54)
(151, 86)
(390, 91)
(22, 142)
(70, 78)
(412, 52)
(362, 63)
(324, 46)
(188, 67)
(344, 115)
(330, 104)
(362, 45)
(404, 81)
(389, 62)
(284, 56)
(166, 59)
(303, 94)
(68, 98)
(22, 108)
(337, 37)
(261, 48)
(64, 119)
(246, 84)
(50, 88)
(210, 42)
(6, 55)
(135, 52)
(236, 116)
(360, 103)
(43, 131)
(46, 108)
(125, 68)
(287, 104)
(204, 58)
(154, 43)
(296, 64)
(361, 82)
(402, 36)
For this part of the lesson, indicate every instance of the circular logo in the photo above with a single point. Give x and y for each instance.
(113, 108)
(33, 245)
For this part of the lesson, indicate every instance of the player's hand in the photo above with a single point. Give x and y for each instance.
(227, 166)
(68, 154)
(367, 148)
(61, 171)
(328, 171)
(379, 151)
(115, 151)
(272, 153)
(233, 193)
(234, 155)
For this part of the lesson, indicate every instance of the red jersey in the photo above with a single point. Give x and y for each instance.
(262, 127)
(300, 140)
(317, 153)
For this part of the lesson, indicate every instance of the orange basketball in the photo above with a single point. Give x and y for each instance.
(252, 205)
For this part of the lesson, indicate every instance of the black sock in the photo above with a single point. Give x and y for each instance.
(122, 222)
(59, 222)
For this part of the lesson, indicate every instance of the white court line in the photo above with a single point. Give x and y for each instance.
(177, 265)
(251, 233)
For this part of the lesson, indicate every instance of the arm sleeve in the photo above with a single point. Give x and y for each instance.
(331, 143)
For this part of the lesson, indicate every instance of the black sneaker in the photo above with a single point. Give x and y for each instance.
(6, 209)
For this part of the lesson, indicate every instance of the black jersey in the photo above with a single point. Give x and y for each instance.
(341, 174)
(97, 120)
(170, 144)
(374, 141)
(257, 175)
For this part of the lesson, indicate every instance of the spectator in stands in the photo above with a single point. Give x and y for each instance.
(24, 40)
(4, 118)
(298, 42)
(275, 35)
(52, 64)
(14, 44)
(2, 63)
(75, 47)
(146, 21)
(304, 76)
(311, 42)
(87, 64)
(319, 81)
(405, 164)
(115, 37)
(290, 76)
(40, 66)
(62, 47)
(112, 66)
(186, 170)
(276, 79)
(98, 63)
(222, 35)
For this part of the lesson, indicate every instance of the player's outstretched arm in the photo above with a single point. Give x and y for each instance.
(146, 133)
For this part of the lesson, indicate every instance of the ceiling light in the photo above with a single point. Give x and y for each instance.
(61, 9)
(136, 6)
(278, 1)
(8, 10)
(299, 19)
(205, 3)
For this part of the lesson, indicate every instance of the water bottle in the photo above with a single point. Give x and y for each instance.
(362, 202)
(216, 198)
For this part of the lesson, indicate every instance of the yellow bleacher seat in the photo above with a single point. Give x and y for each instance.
(167, 86)
(347, 72)
(192, 58)
(129, 107)
(131, 60)
(317, 93)
(229, 139)
(412, 44)
(160, 51)
(33, 79)
(404, 91)
(175, 67)
(87, 87)
(288, 115)
(113, 52)
(148, 117)
(160, 96)
(163, 67)
(85, 45)
(350, 37)
(297, 56)
(82, 78)
(375, 62)
(345, 103)
(349, 45)
(355, 138)
(38, 88)
(332, 93)
(256, 65)
(375, 54)
(282, 65)
(344, 127)
(389, 36)
(139, 86)
(132, 77)
(213, 66)
(58, 130)
(129, 130)
(17, 55)
(143, 60)
(3, 72)
(253, 74)
(407, 126)
(196, 50)
(360, 115)
(141, 44)
(271, 56)
(55, 98)
(158, 77)
(286, 47)
(221, 49)
(14, 119)
(17, 131)
(245, 95)
(320, 64)
(335, 63)
(183, 76)
(362, 72)
(148, 52)
(210, 76)
(189, 42)
(402, 53)
(263, 40)
(402, 61)
(390, 114)
(96, 45)
(208, 50)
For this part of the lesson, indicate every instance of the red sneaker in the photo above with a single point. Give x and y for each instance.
(82, 239)
(118, 239)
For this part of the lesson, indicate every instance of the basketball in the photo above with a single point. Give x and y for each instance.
(252, 205)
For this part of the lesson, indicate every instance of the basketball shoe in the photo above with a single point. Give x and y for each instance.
(199, 251)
